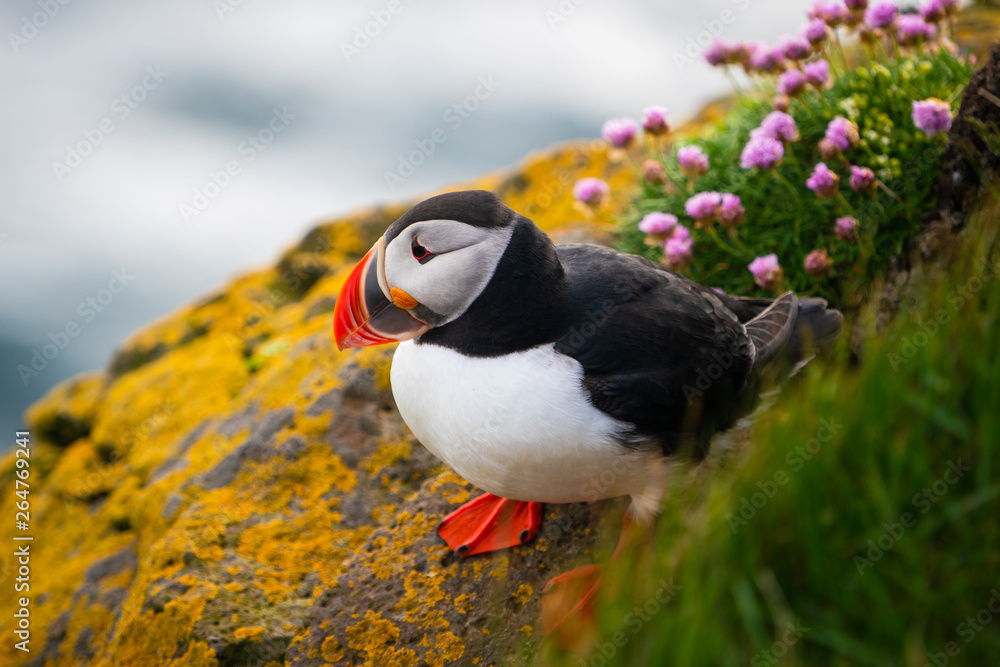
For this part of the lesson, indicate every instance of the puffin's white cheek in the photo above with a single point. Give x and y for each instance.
(448, 283)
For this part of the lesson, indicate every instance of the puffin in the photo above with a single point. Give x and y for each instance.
(546, 373)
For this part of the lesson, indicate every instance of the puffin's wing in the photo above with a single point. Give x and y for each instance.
(657, 349)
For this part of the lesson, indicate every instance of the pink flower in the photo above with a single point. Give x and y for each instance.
(677, 249)
(856, 5)
(739, 53)
(814, 31)
(911, 30)
(718, 53)
(827, 149)
(817, 73)
(591, 191)
(731, 212)
(818, 263)
(842, 133)
(846, 228)
(795, 48)
(620, 132)
(778, 125)
(823, 181)
(766, 58)
(932, 116)
(933, 11)
(881, 15)
(704, 206)
(658, 225)
(766, 271)
(653, 172)
(762, 153)
(791, 83)
(830, 12)
(862, 179)
(692, 161)
(654, 120)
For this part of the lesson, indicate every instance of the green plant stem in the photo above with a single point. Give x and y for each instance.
(885, 188)
(840, 50)
(868, 53)
(847, 205)
(734, 82)
(828, 51)
(792, 160)
(885, 56)
(798, 200)
(791, 188)
(672, 178)
(734, 237)
(725, 246)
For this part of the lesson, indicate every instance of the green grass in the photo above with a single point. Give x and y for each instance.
(879, 99)
(922, 400)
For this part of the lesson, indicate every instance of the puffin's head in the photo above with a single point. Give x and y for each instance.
(425, 271)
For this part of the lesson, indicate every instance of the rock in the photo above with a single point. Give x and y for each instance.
(406, 599)
(973, 141)
(227, 490)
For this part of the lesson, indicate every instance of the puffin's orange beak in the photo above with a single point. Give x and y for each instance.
(368, 312)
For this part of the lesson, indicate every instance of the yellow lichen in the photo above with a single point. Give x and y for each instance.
(447, 648)
(378, 637)
(384, 515)
(502, 566)
(159, 636)
(385, 455)
(462, 603)
(254, 634)
(331, 649)
(199, 654)
(524, 593)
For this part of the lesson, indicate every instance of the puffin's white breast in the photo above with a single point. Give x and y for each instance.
(519, 426)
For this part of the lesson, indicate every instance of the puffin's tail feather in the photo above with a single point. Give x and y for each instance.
(795, 327)
(771, 330)
(817, 324)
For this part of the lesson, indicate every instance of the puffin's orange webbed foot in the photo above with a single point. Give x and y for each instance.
(568, 607)
(489, 523)
(568, 600)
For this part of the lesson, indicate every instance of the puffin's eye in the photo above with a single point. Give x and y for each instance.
(420, 253)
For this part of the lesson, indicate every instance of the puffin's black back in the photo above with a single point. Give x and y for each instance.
(659, 351)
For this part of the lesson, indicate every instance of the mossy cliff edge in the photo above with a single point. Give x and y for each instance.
(231, 490)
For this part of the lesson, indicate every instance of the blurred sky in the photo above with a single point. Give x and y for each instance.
(164, 94)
